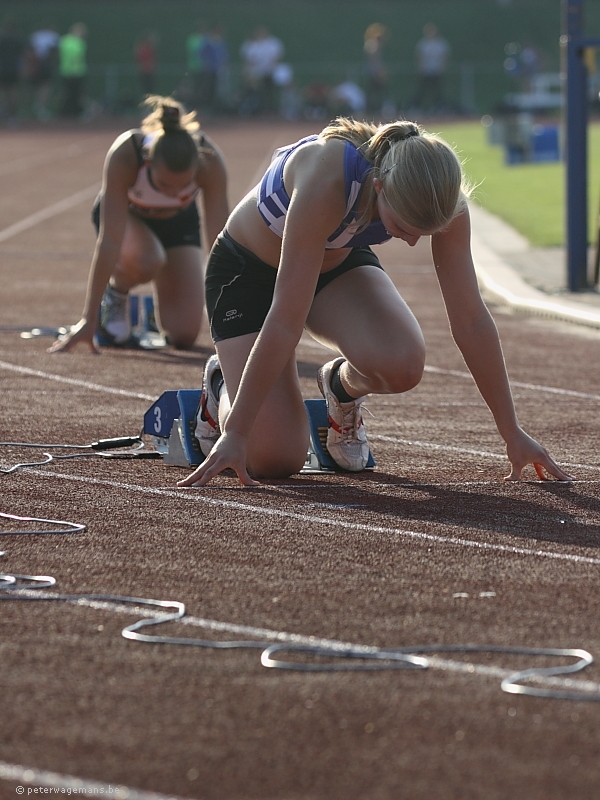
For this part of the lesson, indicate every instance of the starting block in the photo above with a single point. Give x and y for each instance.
(318, 458)
(171, 422)
(144, 331)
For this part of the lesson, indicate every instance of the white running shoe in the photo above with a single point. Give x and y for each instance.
(115, 317)
(207, 418)
(347, 437)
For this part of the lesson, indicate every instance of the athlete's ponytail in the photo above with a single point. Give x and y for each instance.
(175, 140)
(421, 174)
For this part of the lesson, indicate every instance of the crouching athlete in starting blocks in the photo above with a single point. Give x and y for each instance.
(148, 228)
(295, 254)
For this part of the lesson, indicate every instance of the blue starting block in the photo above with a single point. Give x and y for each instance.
(318, 458)
(144, 331)
(171, 421)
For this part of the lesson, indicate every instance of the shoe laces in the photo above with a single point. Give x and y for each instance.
(351, 421)
(116, 304)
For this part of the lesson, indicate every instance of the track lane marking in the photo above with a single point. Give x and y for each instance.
(374, 437)
(466, 450)
(37, 373)
(429, 369)
(284, 637)
(50, 211)
(194, 495)
(519, 384)
(43, 158)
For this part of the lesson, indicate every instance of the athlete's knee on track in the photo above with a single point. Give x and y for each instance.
(182, 340)
(276, 465)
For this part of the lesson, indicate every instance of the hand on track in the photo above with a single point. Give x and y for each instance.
(82, 333)
(523, 451)
(228, 453)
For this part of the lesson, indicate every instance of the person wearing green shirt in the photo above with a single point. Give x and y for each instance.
(195, 65)
(72, 51)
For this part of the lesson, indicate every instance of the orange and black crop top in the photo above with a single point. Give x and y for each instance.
(144, 197)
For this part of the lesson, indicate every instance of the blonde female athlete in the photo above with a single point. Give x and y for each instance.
(295, 255)
(149, 228)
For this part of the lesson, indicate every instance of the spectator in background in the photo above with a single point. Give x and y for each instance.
(195, 65)
(72, 51)
(432, 54)
(260, 55)
(377, 75)
(530, 63)
(12, 50)
(44, 51)
(145, 59)
(215, 65)
(348, 100)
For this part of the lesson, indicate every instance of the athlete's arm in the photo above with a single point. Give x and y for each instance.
(120, 169)
(212, 179)
(476, 335)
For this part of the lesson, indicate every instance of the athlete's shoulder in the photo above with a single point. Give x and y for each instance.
(123, 158)
(319, 155)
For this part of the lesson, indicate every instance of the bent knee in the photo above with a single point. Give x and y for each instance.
(140, 268)
(395, 376)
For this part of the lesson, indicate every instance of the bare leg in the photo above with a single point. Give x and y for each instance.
(180, 291)
(362, 315)
(278, 442)
(141, 256)
(177, 274)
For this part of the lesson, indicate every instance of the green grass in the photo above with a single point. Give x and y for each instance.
(530, 197)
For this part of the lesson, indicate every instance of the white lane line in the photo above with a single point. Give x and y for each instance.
(468, 451)
(284, 637)
(50, 211)
(42, 158)
(74, 381)
(533, 386)
(432, 370)
(374, 437)
(433, 446)
(194, 495)
(67, 784)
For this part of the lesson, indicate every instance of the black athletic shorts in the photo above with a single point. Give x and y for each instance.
(182, 229)
(239, 286)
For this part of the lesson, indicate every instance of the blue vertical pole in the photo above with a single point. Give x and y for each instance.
(575, 110)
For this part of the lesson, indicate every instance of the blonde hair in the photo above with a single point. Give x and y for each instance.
(176, 141)
(421, 174)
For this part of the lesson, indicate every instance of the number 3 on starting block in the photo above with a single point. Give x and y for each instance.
(171, 421)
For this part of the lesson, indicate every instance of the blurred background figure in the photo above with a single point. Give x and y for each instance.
(316, 100)
(43, 65)
(195, 64)
(531, 64)
(146, 58)
(214, 54)
(72, 50)
(260, 53)
(290, 102)
(377, 75)
(348, 100)
(12, 51)
(432, 56)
